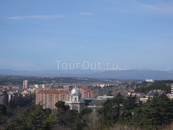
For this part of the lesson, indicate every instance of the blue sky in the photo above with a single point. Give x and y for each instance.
(134, 33)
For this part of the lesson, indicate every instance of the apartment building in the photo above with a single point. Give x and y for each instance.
(86, 92)
(48, 98)
(25, 84)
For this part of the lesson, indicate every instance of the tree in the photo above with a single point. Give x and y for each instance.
(61, 105)
(78, 124)
(128, 105)
(68, 118)
(85, 111)
(32, 118)
(2, 109)
(50, 122)
(110, 111)
(154, 113)
(2, 112)
(91, 119)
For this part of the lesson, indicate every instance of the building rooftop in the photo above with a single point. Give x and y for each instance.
(104, 97)
(75, 91)
(94, 102)
(151, 94)
(85, 88)
(140, 93)
(52, 91)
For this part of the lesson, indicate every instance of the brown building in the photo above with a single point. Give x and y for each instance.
(48, 98)
(86, 92)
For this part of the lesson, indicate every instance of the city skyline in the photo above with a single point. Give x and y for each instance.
(135, 34)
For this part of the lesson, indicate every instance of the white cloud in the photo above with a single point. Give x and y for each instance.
(37, 17)
(160, 7)
(86, 13)
(156, 8)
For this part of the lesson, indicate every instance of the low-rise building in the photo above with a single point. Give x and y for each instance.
(149, 80)
(136, 93)
(76, 102)
(105, 97)
(151, 94)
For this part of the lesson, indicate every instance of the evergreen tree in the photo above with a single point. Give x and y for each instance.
(61, 105)
(33, 118)
(128, 105)
(68, 118)
(156, 112)
(110, 111)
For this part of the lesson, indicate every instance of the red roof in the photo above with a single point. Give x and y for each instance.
(85, 88)
(52, 91)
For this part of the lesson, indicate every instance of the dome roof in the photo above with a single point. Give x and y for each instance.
(75, 91)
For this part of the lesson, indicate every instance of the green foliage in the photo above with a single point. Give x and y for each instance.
(154, 113)
(85, 111)
(2, 112)
(72, 117)
(33, 118)
(68, 118)
(50, 122)
(61, 105)
(78, 125)
(110, 111)
(18, 80)
(126, 112)
(151, 115)
(162, 85)
(2, 109)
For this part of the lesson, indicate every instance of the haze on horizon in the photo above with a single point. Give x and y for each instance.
(134, 34)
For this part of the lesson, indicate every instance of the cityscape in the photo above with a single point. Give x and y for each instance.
(83, 95)
(86, 65)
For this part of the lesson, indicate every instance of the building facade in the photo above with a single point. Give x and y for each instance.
(1, 98)
(172, 90)
(48, 98)
(75, 102)
(86, 92)
(78, 103)
(25, 84)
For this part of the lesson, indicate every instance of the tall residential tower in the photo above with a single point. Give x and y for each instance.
(25, 84)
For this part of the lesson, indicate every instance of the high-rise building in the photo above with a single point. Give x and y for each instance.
(172, 89)
(1, 98)
(25, 84)
(6, 99)
(48, 98)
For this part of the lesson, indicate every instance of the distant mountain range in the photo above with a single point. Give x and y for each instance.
(113, 74)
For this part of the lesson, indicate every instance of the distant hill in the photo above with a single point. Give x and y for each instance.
(114, 74)
(136, 74)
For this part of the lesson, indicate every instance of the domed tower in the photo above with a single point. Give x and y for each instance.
(75, 94)
(75, 102)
